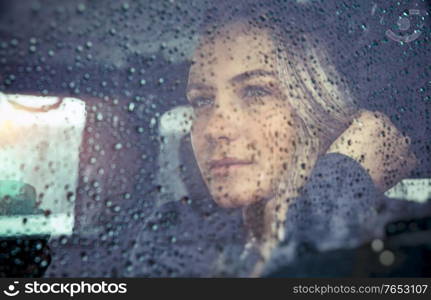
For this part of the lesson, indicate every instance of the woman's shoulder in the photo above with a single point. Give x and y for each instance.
(341, 207)
(337, 183)
(184, 216)
(338, 206)
(338, 174)
(180, 239)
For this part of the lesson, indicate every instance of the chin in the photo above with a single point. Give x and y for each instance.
(234, 201)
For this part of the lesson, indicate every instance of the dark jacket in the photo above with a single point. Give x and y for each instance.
(339, 208)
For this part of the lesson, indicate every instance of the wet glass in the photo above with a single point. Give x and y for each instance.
(235, 139)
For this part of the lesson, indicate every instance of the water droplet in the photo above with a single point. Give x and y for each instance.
(38, 246)
(387, 258)
(81, 8)
(125, 6)
(377, 245)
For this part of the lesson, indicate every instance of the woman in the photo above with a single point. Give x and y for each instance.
(274, 129)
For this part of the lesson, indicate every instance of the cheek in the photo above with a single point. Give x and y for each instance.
(276, 144)
(196, 141)
(276, 133)
(198, 145)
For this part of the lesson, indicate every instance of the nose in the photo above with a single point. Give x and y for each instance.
(219, 129)
(223, 125)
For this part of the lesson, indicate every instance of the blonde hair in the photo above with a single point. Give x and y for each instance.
(324, 107)
(319, 96)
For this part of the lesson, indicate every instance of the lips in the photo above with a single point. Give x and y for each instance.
(227, 162)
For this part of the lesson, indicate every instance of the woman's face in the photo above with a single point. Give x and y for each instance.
(243, 133)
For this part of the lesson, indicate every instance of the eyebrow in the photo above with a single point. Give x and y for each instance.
(251, 74)
(198, 86)
(236, 79)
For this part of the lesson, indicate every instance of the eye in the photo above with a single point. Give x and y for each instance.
(201, 101)
(255, 91)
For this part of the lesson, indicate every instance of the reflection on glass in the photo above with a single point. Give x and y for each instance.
(17, 198)
(39, 150)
